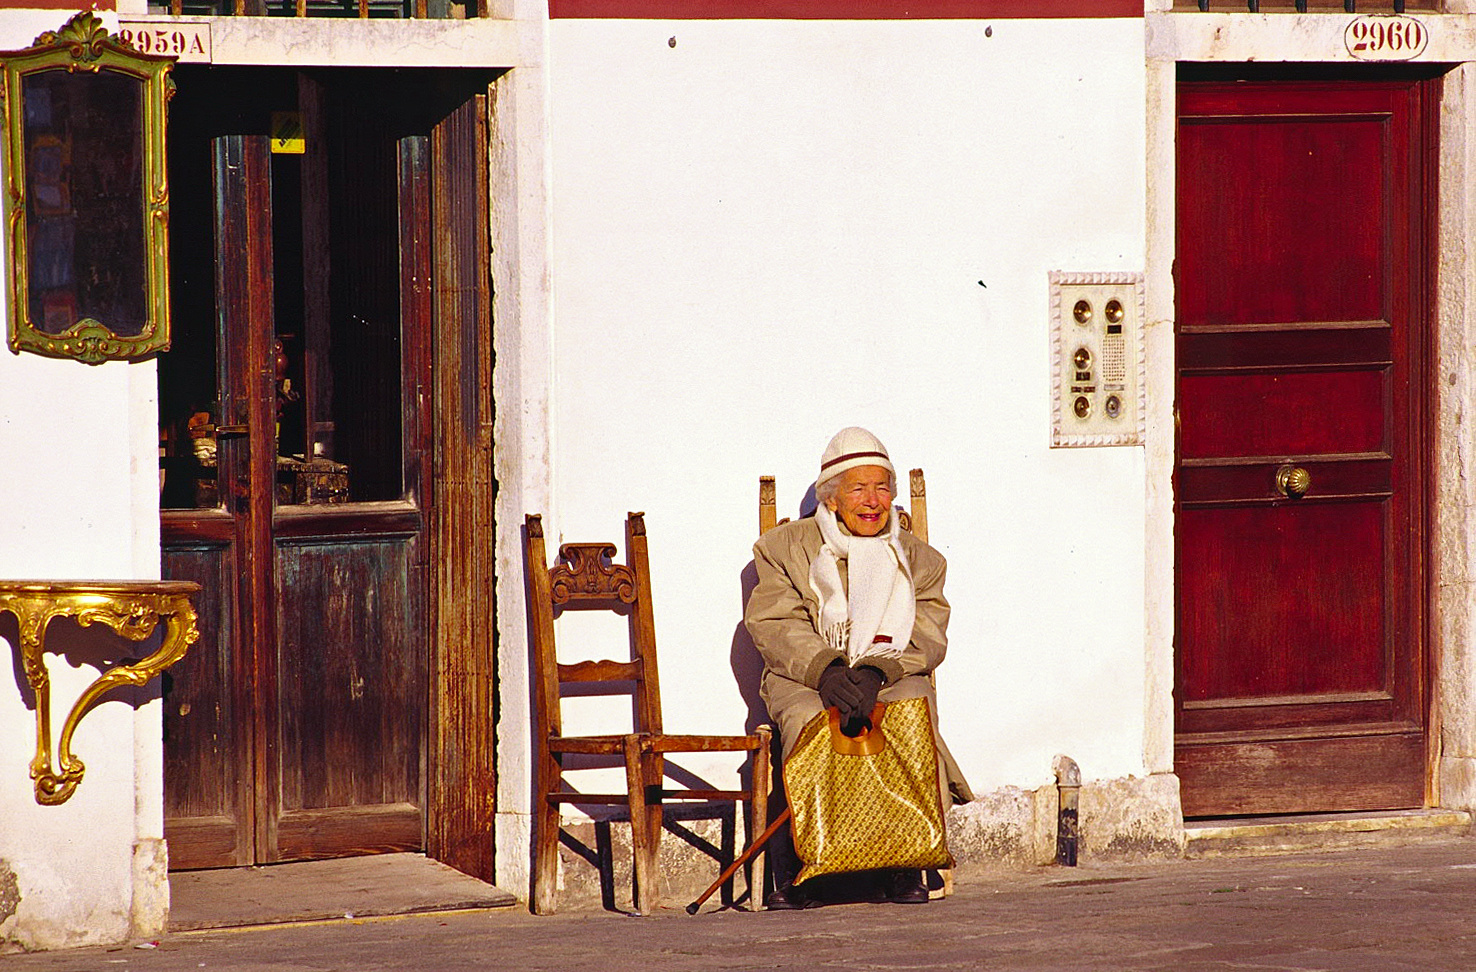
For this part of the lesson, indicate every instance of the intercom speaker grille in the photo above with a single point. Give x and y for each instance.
(1114, 359)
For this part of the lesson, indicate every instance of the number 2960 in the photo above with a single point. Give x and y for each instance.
(1385, 38)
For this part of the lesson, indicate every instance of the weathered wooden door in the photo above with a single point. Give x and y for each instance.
(295, 436)
(1303, 304)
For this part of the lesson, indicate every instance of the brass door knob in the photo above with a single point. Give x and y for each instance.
(1293, 481)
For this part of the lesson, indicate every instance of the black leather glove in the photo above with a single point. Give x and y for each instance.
(868, 682)
(838, 691)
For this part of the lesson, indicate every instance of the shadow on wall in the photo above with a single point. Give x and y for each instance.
(96, 646)
(748, 671)
(743, 657)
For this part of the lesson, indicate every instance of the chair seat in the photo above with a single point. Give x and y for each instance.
(703, 744)
(587, 745)
(667, 796)
(652, 743)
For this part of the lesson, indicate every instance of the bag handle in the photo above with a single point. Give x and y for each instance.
(868, 742)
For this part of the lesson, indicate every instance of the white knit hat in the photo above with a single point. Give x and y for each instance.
(852, 447)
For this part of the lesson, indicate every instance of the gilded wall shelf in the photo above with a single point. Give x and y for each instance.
(133, 609)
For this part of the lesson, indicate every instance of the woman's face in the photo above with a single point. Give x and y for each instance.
(863, 501)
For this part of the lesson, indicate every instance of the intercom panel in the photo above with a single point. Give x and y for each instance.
(1096, 359)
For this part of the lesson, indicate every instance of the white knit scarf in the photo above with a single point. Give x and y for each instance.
(882, 599)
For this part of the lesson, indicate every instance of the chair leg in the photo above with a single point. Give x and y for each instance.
(640, 834)
(758, 819)
(545, 844)
(655, 768)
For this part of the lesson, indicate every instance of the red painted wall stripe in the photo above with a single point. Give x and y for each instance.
(73, 5)
(840, 9)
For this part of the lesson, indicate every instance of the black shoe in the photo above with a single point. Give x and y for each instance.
(790, 898)
(906, 887)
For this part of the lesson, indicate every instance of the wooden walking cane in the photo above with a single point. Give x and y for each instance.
(743, 859)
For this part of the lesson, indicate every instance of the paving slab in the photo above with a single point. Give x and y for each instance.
(1380, 910)
(381, 884)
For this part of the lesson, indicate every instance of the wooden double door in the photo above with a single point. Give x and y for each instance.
(1304, 306)
(328, 263)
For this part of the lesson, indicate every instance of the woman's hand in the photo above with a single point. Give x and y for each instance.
(868, 682)
(838, 691)
(851, 692)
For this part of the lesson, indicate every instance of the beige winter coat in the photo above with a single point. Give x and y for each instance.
(780, 619)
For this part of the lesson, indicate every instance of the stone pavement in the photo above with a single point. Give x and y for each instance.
(1381, 910)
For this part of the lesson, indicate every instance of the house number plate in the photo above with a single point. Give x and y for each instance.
(186, 40)
(1385, 38)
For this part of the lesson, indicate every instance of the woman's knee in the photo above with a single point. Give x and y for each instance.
(907, 687)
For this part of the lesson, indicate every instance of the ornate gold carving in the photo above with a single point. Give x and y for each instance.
(63, 322)
(83, 36)
(133, 610)
(590, 576)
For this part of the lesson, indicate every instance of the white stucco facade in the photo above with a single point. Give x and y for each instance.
(715, 244)
(764, 231)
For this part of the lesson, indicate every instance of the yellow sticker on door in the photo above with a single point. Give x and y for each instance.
(287, 137)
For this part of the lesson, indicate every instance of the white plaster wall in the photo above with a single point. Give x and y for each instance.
(79, 500)
(773, 229)
(521, 349)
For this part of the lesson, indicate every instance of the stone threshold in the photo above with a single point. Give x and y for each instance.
(375, 885)
(1322, 831)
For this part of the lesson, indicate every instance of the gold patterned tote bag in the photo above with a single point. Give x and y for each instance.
(868, 801)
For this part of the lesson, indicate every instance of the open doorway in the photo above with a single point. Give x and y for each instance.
(326, 229)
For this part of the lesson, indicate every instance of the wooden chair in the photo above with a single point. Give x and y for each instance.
(915, 520)
(585, 578)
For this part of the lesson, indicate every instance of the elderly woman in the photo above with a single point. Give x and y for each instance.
(849, 610)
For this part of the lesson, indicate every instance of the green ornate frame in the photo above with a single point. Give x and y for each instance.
(84, 46)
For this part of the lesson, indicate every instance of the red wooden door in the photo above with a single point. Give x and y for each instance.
(1303, 284)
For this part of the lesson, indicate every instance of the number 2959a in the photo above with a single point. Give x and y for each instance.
(187, 41)
(1385, 38)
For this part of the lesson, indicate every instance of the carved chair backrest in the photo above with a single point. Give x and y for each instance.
(915, 520)
(587, 578)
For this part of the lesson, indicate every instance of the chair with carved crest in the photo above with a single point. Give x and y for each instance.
(914, 520)
(586, 578)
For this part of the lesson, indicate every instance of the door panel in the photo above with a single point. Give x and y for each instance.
(1302, 313)
(351, 715)
(211, 522)
(1281, 412)
(1285, 188)
(464, 739)
(204, 746)
(1304, 775)
(1280, 648)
